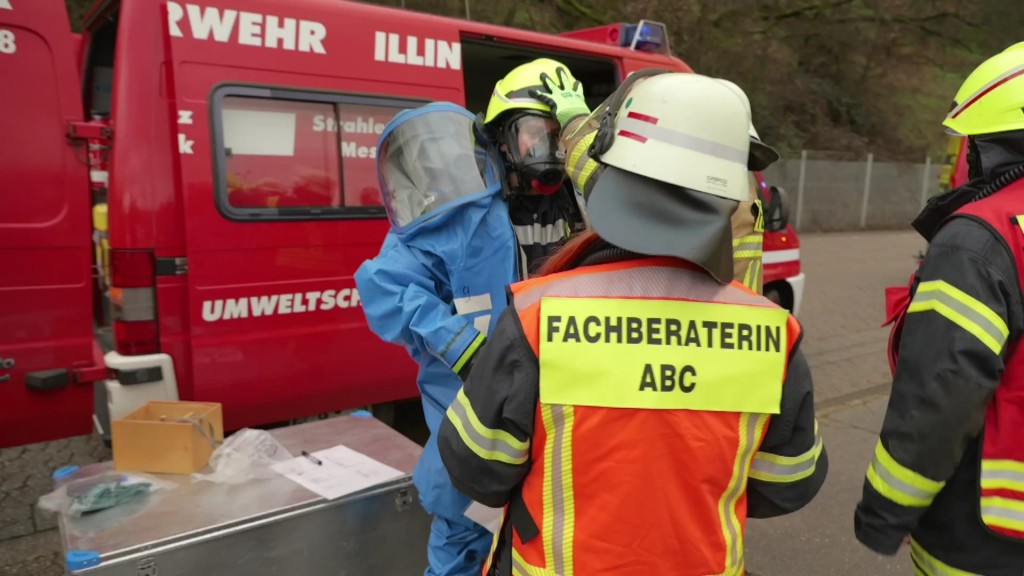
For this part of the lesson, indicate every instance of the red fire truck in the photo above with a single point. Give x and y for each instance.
(184, 204)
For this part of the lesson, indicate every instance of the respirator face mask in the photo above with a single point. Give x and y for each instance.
(536, 155)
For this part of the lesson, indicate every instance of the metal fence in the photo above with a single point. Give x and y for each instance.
(829, 194)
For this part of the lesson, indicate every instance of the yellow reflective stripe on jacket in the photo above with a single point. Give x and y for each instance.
(1020, 222)
(473, 347)
(559, 496)
(775, 468)
(963, 310)
(749, 246)
(899, 483)
(634, 348)
(485, 442)
(751, 428)
(999, 512)
(580, 166)
(752, 277)
(1002, 475)
(928, 565)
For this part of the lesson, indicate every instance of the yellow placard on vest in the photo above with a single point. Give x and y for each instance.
(662, 354)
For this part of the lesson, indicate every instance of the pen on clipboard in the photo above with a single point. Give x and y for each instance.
(312, 458)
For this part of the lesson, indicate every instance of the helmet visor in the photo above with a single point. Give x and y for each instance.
(536, 149)
(432, 161)
(535, 136)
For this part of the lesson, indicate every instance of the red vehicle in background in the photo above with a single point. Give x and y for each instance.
(783, 278)
(192, 186)
(954, 173)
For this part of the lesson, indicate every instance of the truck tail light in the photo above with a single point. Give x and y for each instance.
(133, 301)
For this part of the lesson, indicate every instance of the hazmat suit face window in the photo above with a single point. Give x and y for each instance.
(430, 162)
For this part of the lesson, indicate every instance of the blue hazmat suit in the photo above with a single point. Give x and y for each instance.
(438, 286)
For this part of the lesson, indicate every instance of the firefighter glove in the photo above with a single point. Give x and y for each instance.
(564, 94)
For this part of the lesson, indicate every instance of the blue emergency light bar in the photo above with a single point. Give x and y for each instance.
(646, 36)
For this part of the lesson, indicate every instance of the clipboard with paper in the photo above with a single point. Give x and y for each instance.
(336, 471)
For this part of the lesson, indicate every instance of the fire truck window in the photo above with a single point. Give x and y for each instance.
(359, 129)
(300, 154)
(274, 160)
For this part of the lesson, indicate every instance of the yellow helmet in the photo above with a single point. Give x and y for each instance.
(991, 99)
(513, 91)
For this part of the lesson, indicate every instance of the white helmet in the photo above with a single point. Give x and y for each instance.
(684, 129)
(676, 149)
(761, 155)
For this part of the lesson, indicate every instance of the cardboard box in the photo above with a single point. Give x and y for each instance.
(167, 437)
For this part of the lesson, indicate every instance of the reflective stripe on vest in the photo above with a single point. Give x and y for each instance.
(1002, 475)
(1002, 484)
(1004, 513)
(521, 567)
(653, 354)
(559, 503)
(572, 468)
(752, 429)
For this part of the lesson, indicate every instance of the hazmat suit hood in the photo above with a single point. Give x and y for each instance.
(431, 161)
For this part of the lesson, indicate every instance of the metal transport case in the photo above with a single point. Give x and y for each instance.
(263, 527)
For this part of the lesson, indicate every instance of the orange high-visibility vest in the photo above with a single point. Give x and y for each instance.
(657, 386)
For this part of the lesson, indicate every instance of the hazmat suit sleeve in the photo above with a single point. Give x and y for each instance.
(485, 437)
(791, 464)
(402, 305)
(948, 369)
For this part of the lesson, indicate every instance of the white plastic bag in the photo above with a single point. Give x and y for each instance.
(245, 455)
(78, 496)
